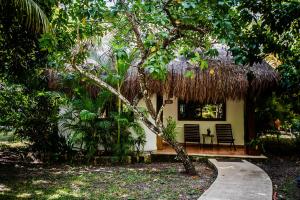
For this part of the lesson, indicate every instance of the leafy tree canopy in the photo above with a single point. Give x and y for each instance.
(148, 34)
(165, 28)
(21, 23)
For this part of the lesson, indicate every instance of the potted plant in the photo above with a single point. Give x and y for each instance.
(254, 147)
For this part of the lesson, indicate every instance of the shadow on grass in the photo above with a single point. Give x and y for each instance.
(33, 182)
(82, 182)
(20, 179)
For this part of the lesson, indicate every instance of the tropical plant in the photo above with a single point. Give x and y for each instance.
(255, 143)
(27, 12)
(32, 117)
(92, 121)
(27, 106)
(170, 130)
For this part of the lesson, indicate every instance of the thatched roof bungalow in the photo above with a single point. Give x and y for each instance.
(224, 93)
(220, 81)
(221, 94)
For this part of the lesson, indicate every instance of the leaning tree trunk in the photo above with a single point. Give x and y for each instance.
(181, 153)
(145, 53)
(155, 128)
(183, 157)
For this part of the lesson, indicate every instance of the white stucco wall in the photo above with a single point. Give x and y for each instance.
(234, 116)
(150, 137)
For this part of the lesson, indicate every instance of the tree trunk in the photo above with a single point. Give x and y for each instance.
(145, 53)
(250, 111)
(155, 128)
(250, 120)
(184, 158)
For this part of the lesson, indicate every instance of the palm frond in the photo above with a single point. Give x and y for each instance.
(30, 13)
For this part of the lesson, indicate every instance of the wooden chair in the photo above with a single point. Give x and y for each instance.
(224, 134)
(191, 133)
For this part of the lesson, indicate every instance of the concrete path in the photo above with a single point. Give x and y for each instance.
(238, 181)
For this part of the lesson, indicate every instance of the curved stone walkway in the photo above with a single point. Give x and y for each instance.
(238, 180)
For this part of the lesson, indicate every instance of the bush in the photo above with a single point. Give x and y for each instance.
(169, 131)
(280, 144)
(32, 116)
(92, 122)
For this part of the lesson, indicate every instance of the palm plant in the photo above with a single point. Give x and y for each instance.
(82, 116)
(27, 12)
(94, 120)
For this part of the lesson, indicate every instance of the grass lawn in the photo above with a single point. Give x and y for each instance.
(154, 181)
(8, 140)
(22, 180)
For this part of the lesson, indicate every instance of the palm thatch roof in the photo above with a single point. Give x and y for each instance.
(222, 80)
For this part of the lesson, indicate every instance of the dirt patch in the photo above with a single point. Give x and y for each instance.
(283, 172)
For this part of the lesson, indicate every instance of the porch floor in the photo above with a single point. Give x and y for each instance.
(208, 151)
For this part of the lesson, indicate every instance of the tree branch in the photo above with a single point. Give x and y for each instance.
(145, 55)
(137, 98)
(136, 31)
(168, 41)
(180, 26)
(103, 84)
(160, 112)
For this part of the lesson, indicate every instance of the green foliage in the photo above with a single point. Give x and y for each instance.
(102, 21)
(81, 19)
(272, 108)
(169, 131)
(254, 30)
(32, 116)
(85, 115)
(20, 58)
(12, 95)
(91, 122)
(27, 12)
(266, 28)
(26, 106)
(280, 144)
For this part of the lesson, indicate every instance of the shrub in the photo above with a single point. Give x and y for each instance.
(33, 116)
(170, 129)
(280, 144)
(94, 123)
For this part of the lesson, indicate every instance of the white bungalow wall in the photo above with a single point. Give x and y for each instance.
(150, 137)
(234, 116)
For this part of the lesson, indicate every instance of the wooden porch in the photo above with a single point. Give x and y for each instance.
(210, 151)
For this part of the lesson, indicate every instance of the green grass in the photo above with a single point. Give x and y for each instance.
(12, 145)
(65, 182)
(153, 181)
(7, 136)
(9, 141)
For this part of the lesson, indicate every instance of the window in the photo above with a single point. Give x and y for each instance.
(201, 112)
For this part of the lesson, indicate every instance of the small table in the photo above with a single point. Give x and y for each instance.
(211, 139)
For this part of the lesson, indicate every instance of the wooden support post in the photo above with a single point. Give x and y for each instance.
(250, 132)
